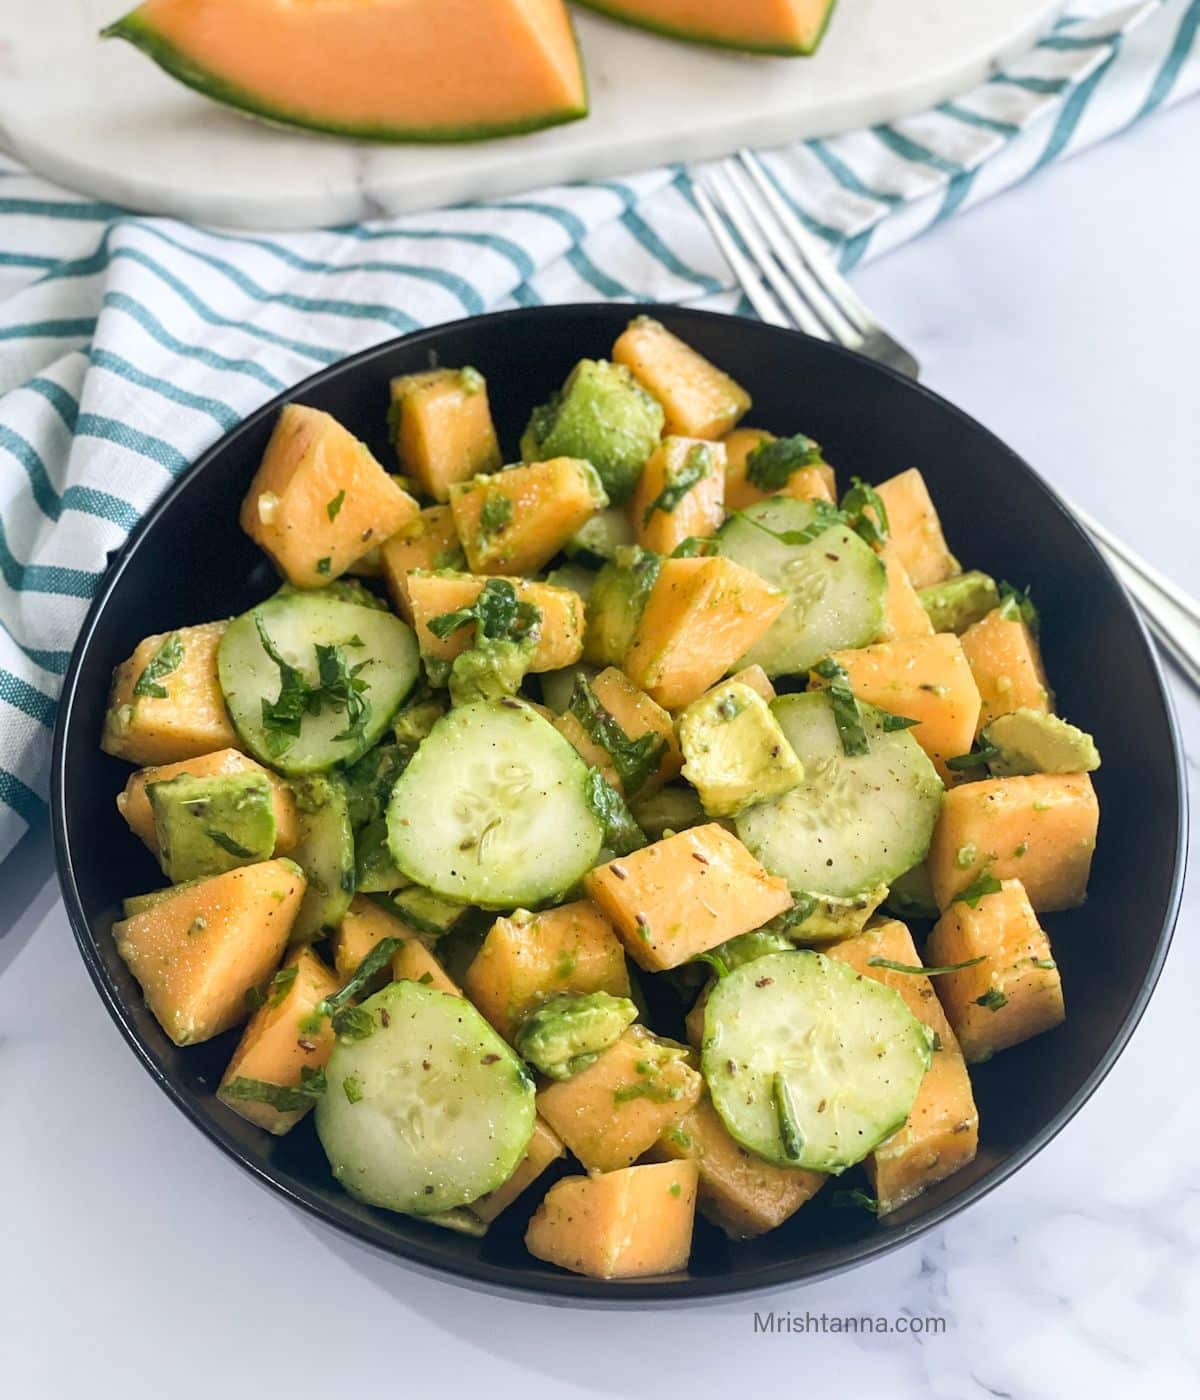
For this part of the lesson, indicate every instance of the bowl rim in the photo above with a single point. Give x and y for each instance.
(481, 1274)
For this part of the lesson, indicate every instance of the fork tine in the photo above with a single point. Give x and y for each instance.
(838, 326)
(819, 262)
(761, 299)
(731, 202)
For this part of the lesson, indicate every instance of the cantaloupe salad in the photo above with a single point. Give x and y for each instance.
(567, 836)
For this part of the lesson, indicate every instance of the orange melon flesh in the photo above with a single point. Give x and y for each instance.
(816, 482)
(698, 399)
(1007, 666)
(275, 1046)
(915, 529)
(538, 507)
(904, 614)
(134, 804)
(922, 678)
(428, 542)
(787, 27)
(637, 715)
(942, 1131)
(739, 1192)
(380, 69)
(625, 1224)
(431, 595)
(617, 1108)
(1040, 830)
(544, 1148)
(442, 428)
(698, 512)
(1018, 981)
(198, 951)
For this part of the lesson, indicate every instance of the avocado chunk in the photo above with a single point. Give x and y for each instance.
(490, 670)
(601, 414)
(734, 952)
(376, 871)
(671, 809)
(206, 826)
(1028, 741)
(911, 895)
(568, 1032)
(736, 753)
(956, 603)
(414, 723)
(616, 603)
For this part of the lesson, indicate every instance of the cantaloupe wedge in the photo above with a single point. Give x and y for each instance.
(923, 678)
(561, 642)
(180, 710)
(625, 1224)
(382, 70)
(904, 614)
(528, 957)
(915, 529)
(699, 400)
(700, 617)
(319, 500)
(787, 27)
(199, 949)
(544, 1148)
(942, 1131)
(134, 805)
(1007, 666)
(816, 482)
(685, 894)
(282, 1040)
(441, 424)
(739, 1192)
(614, 1110)
(1016, 992)
(680, 494)
(428, 542)
(1040, 830)
(638, 714)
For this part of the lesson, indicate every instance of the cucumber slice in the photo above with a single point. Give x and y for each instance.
(809, 1064)
(598, 539)
(429, 1110)
(494, 810)
(836, 584)
(326, 855)
(853, 823)
(302, 627)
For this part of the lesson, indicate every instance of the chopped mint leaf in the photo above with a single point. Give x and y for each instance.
(167, 658)
(785, 1111)
(690, 472)
(634, 759)
(847, 714)
(916, 968)
(993, 999)
(335, 504)
(770, 465)
(975, 891)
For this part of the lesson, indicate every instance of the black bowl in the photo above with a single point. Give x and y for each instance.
(189, 562)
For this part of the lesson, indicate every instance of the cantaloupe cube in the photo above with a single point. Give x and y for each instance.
(1040, 830)
(134, 805)
(1016, 992)
(638, 715)
(593, 754)
(621, 1104)
(680, 494)
(914, 529)
(413, 961)
(199, 950)
(442, 430)
(189, 720)
(685, 894)
(1007, 666)
(904, 615)
(528, 957)
(942, 1131)
(815, 482)
(544, 1148)
(361, 927)
(432, 594)
(627, 1224)
(282, 1040)
(698, 399)
(922, 678)
(701, 615)
(514, 521)
(428, 542)
(757, 679)
(319, 500)
(739, 1192)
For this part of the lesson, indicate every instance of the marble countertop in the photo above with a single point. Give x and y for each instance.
(138, 1261)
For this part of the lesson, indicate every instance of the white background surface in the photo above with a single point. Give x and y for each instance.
(136, 1261)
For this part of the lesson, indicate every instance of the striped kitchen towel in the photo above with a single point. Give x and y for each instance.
(129, 344)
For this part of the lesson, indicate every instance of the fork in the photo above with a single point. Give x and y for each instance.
(790, 281)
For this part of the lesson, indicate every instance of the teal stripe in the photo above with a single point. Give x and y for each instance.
(957, 190)
(84, 499)
(87, 500)
(44, 491)
(596, 277)
(853, 250)
(120, 301)
(969, 118)
(1185, 39)
(24, 697)
(649, 240)
(62, 402)
(524, 295)
(56, 662)
(828, 232)
(23, 800)
(213, 318)
(1072, 111)
(448, 281)
(846, 177)
(1069, 41)
(574, 227)
(520, 259)
(1046, 87)
(26, 260)
(87, 211)
(44, 578)
(66, 329)
(133, 440)
(221, 413)
(908, 149)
